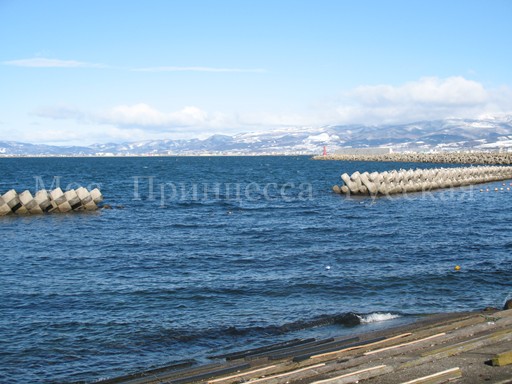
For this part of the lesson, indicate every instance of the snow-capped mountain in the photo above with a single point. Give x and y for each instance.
(449, 134)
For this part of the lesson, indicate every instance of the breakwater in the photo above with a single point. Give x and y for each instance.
(501, 158)
(45, 201)
(419, 180)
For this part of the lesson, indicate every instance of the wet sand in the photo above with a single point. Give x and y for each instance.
(457, 347)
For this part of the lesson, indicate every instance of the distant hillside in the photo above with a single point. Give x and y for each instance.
(16, 148)
(449, 134)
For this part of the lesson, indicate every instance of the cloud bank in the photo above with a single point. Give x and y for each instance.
(139, 116)
(429, 98)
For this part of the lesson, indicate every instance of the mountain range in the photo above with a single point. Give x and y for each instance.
(486, 133)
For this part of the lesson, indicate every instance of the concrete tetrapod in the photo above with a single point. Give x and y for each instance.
(441, 157)
(419, 180)
(45, 202)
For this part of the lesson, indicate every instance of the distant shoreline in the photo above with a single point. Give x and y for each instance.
(148, 155)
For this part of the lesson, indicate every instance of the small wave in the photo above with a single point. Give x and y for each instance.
(377, 317)
(349, 319)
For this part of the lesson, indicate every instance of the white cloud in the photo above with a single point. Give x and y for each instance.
(190, 120)
(453, 91)
(144, 122)
(141, 116)
(198, 69)
(427, 98)
(40, 62)
(136, 115)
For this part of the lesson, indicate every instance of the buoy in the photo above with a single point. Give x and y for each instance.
(457, 268)
(328, 267)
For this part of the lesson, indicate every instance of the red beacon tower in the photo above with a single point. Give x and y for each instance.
(325, 151)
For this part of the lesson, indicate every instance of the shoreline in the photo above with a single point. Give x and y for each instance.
(157, 155)
(456, 345)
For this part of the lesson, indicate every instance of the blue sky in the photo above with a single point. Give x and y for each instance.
(113, 71)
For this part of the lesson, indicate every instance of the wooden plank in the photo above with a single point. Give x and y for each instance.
(502, 359)
(353, 377)
(307, 353)
(314, 349)
(242, 374)
(289, 373)
(330, 354)
(209, 374)
(448, 325)
(287, 350)
(180, 365)
(455, 349)
(156, 375)
(267, 348)
(437, 378)
(404, 344)
(471, 344)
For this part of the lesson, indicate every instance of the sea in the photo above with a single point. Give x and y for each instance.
(201, 256)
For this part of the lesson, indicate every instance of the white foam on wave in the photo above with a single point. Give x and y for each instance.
(376, 317)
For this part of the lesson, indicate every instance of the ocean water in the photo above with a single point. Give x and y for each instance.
(206, 255)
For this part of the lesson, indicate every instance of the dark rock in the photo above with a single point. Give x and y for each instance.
(508, 304)
(106, 206)
(120, 206)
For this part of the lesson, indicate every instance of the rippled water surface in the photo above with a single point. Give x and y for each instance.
(227, 253)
